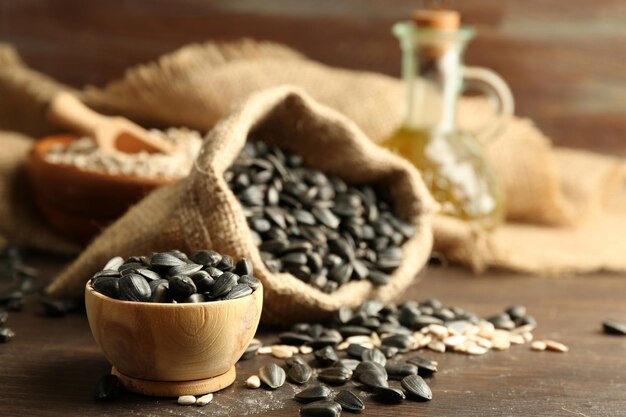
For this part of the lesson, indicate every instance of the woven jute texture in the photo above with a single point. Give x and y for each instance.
(201, 211)
(565, 208)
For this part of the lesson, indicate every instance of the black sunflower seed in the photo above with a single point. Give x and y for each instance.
(374, 355)
(183, 270)
(614, 327)
(294, 360)
(400, 341)
(114, 263)
(206, 257)
(351, 364)
(181, 287)
(321, 409)
(397, 371)
(369, 367)
(373, 379)
(300, 373)
(272, 375)
(243, 267)
(356, 351)
(251, 281)
(295, 339)
(388, 395)
(165, 259)
(314, 393)
(238, 291)
(335, 376)
(108, 286)
(425, 366)
(389, 351)
(326, 356)
(194, 298)
(417, 388)
(224, 284)
(134, 287)
(250, 351)
(107, 389)
(349, 401)
(160, 291)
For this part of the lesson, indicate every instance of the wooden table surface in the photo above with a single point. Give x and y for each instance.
(52, 365)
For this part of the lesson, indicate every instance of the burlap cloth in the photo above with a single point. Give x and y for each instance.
(565, 208)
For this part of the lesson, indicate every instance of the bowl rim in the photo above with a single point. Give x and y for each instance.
(148, 304)
(40, 148)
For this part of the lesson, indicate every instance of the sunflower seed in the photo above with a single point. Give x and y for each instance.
(555, 346)
(321, 409)
(224, 284)
(314, 393)
(114, 263)
(183, 270)
(108, 286)
(373, 379)
(417, 388)
(614, 327)
(336, 376)
(6, 334)
(238, 291)
(349, 401)
(272, 375)
(165, 259)
(134, 287)
(369, 367)
(186, 400)
(251, 350)
(181, 287)
(253, 382)
(300, 373)
(397, 371)
(326, 356)
(425, 366)
(107, 388)
(388, 395)
(204, 400)
(374, 355)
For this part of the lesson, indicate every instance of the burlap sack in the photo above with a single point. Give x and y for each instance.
(561, 218)
(201, 211)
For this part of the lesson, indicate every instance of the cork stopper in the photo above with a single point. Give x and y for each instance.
(439, 19)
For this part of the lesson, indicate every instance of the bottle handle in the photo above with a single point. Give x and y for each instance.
(493, 86)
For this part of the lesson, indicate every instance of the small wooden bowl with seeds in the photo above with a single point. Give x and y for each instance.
(168, 350)
(79, 203)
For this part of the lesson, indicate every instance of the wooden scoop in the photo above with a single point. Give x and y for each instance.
(110, 133)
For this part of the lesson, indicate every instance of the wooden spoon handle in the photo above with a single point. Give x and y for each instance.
(68, 111)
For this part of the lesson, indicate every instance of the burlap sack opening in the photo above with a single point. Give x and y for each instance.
(202, 212)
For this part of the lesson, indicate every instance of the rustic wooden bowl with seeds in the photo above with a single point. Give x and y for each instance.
(165, 349)
(79, 203)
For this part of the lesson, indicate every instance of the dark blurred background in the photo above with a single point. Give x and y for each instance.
(565, 60)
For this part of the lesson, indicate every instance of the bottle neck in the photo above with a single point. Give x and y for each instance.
(432, 70)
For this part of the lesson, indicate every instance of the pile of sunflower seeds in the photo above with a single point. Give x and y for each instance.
(366, 345)
(312, 225)
(173, 277)
(85, 154)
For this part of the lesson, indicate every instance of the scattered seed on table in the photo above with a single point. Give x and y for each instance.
(556, 346)
(335, 376)
(281, 352)
(272, 375)
(538, 345)
(417, 388)
(349, 401)
(107, 388)
(614, 327)
(253, 382)
(388, 395)
(299, 373)
(186, 400)
(324, 408)
(204, 400)
(314, 393)
(6, 334)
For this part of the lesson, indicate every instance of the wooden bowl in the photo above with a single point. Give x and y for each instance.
(79, 203)
(166, 350)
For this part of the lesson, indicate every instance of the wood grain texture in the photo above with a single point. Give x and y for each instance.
(173, 342)
(564, 59)
(52, 365)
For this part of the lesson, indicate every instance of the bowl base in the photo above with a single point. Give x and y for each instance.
(176, 388)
